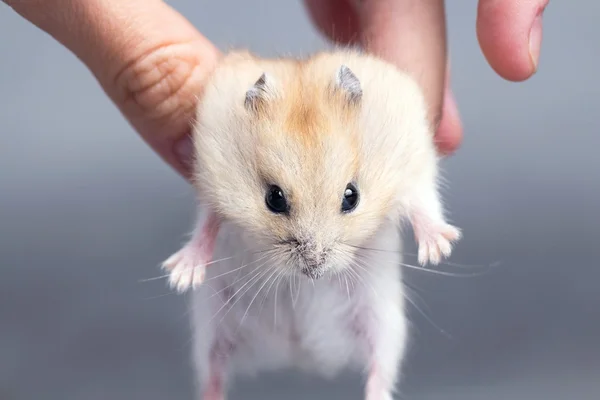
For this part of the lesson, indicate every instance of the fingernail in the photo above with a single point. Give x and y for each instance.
(535, 40)
(184, 150)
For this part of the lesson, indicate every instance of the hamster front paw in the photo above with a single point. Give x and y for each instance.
(186, 268)
(435, 241)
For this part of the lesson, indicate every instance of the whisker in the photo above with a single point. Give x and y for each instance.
(292, 285)
(453, 264)
(362, 263)
(256, 294)
(167, 275)
(160, 295)
(443, 273)
(260, 276)
(216, 292)
(368, 271)
(207, 264)
(297, 288)
(171, 293)
(266, 296)
(239, 279)
(262, 251)
(280, 278)
(423, 269)
(237, 269)
(406, 291)
(442, 262)
(347, 287)
(242, 287)
(236, 279)
(365, 282)
(154, 279)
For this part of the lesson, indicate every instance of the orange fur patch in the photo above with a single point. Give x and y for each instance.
(305, 113)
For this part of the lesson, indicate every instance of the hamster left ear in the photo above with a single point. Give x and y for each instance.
(349, 83)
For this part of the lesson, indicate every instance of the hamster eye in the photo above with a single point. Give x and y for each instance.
(350, 200)
(275, 200)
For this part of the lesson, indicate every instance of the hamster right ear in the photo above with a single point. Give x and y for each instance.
(259, 93)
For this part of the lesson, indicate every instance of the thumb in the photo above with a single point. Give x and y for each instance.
(510, 35)
(150, 60)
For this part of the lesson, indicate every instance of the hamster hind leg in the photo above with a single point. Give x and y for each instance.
(215, 372)
(385, 353)
(212, 349)
(380, 323)
(187, 266)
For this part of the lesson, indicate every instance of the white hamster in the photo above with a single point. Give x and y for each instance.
(305, 169)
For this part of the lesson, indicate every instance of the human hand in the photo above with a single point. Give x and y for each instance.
(412, 34)
(150, 61)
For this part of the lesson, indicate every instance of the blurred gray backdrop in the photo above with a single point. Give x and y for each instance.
(86, 211)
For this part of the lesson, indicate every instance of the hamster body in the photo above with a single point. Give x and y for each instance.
(305, 170)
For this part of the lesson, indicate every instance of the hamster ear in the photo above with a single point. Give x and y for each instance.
(259, 92)
(346, 81)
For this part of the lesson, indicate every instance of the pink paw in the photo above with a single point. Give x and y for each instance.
(186, 269)
(436, 242)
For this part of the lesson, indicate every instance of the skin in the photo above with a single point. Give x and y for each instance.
(152, 62)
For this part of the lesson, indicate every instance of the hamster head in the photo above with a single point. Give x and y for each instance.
(310, 157)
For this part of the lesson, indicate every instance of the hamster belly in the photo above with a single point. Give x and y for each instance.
(261, 319)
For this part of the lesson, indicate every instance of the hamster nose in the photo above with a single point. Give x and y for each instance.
(312, 261)
(308, 250)
(312, 267)
(312, 258)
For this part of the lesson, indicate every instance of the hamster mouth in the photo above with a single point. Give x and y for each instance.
(313, 271)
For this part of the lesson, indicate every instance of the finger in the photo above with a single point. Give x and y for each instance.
(412, 35)
(510, 35)
(337, 20)
(148, 58)
(450, 131)
(449, 134)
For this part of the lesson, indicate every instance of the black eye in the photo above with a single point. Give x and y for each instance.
(275, 200)
(350, 199)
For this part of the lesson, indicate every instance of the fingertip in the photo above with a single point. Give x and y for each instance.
(448, 142)
(335, 19)
(509, 34)
(449, 134)
(184, 150)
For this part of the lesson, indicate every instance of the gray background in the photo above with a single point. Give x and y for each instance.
(86, 210)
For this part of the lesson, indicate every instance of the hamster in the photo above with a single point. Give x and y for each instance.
(305, 170)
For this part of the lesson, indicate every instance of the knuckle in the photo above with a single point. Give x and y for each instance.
(161, 82)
